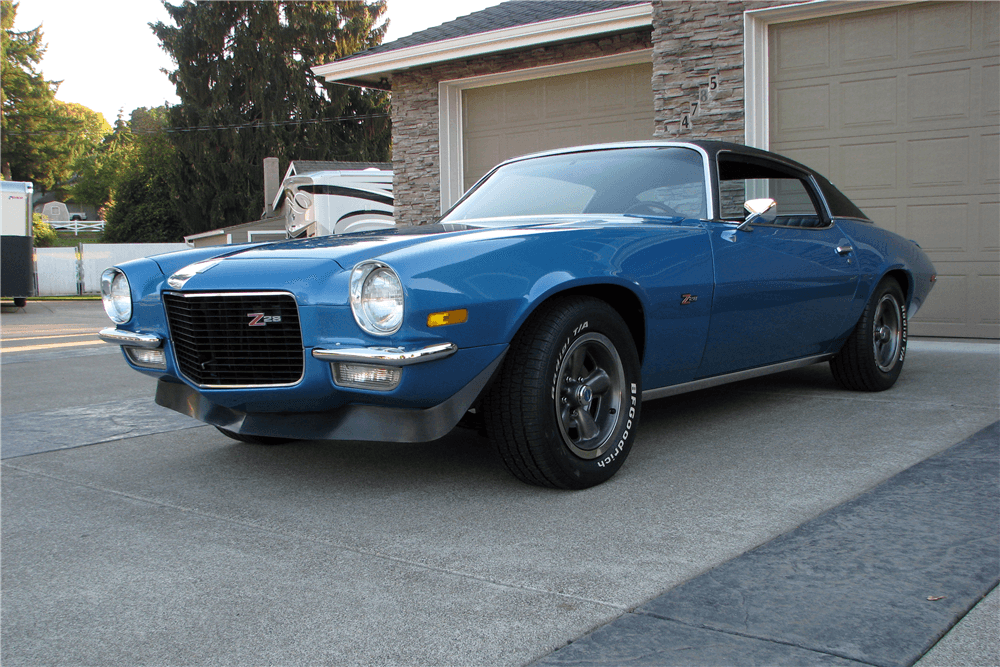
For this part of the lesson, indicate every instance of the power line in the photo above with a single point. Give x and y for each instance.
(260, 124)
(233, 126)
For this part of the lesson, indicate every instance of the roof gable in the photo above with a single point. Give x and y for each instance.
(507, 26)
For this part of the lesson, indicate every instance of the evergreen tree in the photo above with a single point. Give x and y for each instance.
(247, 92)
(137, 167)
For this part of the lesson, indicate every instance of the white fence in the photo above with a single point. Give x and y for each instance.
(76, 226)
(68, 271)
(55, 271)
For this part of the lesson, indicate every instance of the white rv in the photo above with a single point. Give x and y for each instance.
(314, 199)
(334, 201)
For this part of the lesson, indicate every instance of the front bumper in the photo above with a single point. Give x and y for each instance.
(386, 356)
(130, 338)
(349, 422)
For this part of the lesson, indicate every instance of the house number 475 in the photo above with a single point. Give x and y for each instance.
(704, 96)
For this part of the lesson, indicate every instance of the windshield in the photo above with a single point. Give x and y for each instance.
(659, 181)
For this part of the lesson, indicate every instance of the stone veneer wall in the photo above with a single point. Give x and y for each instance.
(415, 149)
(698, 69)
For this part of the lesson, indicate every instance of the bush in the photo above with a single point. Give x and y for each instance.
(45, 236)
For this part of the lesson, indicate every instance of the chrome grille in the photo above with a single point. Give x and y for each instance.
(236, 339)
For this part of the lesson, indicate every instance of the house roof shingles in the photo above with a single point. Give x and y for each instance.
(504, 15)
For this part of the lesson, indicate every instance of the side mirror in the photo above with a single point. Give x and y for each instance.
(758, 210)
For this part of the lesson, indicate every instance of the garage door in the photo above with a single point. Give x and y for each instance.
(901, 109)
(508, 120)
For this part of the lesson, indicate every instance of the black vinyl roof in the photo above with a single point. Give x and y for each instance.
(504, 15)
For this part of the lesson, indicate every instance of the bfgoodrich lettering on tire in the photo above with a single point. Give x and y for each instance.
(565, 407)
(872, 357)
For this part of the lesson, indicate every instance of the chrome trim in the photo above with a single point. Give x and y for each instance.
(822, 197)
(716, 380)
(122, 337)
(386, 356)
(359, 275)
(706, 162)
(844, 249)
(210, 387)
(194, 295)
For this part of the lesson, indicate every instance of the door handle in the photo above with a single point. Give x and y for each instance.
(844, 249)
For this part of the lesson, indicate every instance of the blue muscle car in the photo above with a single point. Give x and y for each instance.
(562, 291)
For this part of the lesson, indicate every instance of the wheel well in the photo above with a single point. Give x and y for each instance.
(903, 279)
(625, 303)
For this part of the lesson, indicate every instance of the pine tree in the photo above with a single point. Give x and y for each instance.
(247, 92)
(142, 206)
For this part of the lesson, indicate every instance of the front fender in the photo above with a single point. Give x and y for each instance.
(504, 277)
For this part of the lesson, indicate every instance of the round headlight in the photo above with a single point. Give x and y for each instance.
(376, 298)
(116, 295)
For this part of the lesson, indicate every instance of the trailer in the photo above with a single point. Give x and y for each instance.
(313, 199)
(16, 242)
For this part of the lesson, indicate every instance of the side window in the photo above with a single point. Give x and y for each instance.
(741, 179)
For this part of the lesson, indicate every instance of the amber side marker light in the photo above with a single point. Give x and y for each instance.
(934, 278)
(446, 318)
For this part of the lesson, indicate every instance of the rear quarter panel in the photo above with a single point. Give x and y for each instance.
(880, 252)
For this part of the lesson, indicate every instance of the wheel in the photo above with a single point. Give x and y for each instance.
(20, 302)
(872, 357)
(565, 407)
(254, 439)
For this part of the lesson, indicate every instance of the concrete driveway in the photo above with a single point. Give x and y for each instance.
(132, 535)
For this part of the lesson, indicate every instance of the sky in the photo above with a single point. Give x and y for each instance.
(108, 59)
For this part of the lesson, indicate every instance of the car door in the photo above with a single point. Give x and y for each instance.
(782, 289)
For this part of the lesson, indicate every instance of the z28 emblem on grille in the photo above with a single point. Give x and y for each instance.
(262, 320)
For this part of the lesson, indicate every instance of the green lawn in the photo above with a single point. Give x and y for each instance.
(67, 240)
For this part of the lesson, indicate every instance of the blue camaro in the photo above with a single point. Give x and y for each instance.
(563, 290)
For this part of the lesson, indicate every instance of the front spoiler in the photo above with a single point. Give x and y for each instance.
(350, 422)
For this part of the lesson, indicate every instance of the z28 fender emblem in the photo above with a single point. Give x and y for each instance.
(688, 299)
(262, 320)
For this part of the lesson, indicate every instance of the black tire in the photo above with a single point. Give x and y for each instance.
(564, 408)
(254, 439)
(20, 302)
(873, 355)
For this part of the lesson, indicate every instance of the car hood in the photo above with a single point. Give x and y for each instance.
(477, 259)
(349, 249)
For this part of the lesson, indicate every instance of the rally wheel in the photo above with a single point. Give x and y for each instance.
(872, 357)
(564, 409)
